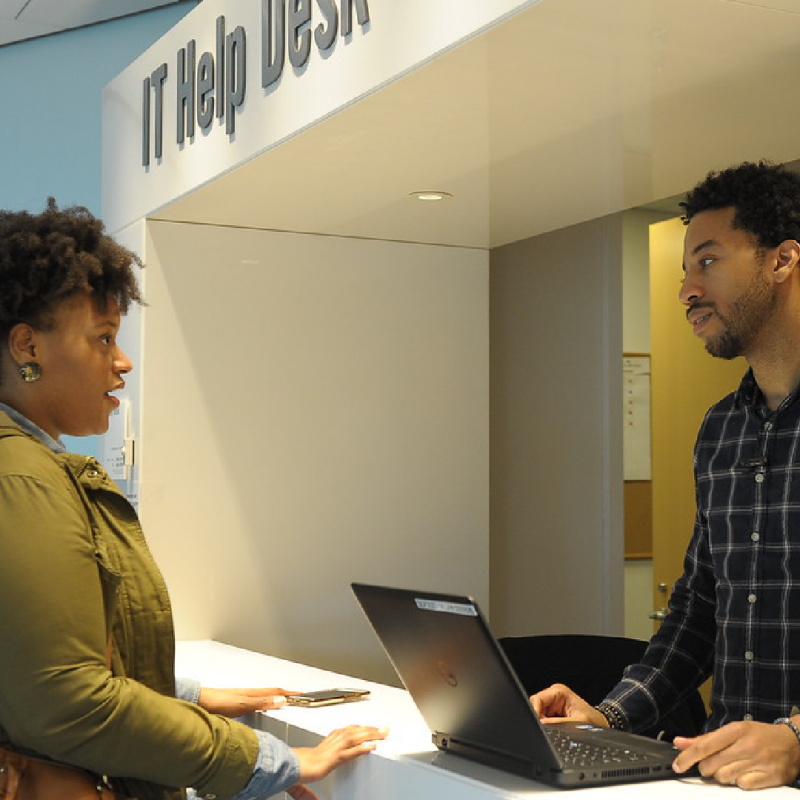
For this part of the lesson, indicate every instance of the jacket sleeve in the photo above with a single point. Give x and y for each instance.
(57, 697)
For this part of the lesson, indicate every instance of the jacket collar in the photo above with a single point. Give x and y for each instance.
(10, 416)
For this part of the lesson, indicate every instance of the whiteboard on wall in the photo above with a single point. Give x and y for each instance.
(636, 417)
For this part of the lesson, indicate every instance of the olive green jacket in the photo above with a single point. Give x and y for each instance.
(76, 575)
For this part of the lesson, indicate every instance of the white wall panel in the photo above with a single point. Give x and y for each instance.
(315, 412)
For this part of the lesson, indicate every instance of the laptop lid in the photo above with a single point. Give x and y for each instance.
(457, 674)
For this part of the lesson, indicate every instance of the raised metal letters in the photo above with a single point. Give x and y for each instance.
(210, 83)
(286, 25)
(185, 92)
(214, 84)
(235, 53)
(156, 83)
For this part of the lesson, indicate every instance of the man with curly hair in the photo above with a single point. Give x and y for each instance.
(735, 612)
(86, 640)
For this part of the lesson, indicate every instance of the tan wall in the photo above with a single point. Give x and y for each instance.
(556, 432)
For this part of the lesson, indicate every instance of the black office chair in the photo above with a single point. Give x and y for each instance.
(592, 666)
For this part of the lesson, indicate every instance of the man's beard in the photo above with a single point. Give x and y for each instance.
(749, 313)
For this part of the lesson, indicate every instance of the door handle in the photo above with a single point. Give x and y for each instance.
(660, 613)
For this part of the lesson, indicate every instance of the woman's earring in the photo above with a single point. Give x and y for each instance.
(30, 372)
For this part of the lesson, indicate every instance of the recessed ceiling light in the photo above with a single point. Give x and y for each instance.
(430, 196)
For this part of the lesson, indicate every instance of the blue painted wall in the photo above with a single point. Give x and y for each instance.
(51, 97)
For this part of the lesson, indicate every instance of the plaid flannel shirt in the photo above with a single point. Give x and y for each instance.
(736, 608)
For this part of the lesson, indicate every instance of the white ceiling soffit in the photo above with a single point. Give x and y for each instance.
(29, 19)
(570, 110)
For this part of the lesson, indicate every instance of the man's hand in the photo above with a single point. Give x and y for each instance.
(338, 747)
(558, 703)
(238, 702)
(751, 755)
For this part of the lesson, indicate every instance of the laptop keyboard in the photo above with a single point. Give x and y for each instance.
(584, 754)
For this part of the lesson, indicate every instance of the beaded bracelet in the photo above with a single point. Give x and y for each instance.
(787, 721)
(615, 718)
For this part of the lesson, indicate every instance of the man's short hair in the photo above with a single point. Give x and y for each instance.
(766, 198)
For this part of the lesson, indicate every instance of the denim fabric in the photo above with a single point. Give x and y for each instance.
(276, 768)
(188, 689)
(30, 427)
(276, 771)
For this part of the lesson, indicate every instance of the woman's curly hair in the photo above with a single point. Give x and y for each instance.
(766, 198)
(45, 258)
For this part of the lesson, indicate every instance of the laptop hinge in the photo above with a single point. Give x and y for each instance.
(445, 741)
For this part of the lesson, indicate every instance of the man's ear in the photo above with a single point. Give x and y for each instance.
(787, 258)
(22, 343)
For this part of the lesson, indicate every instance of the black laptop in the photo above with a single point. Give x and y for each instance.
(470, 698)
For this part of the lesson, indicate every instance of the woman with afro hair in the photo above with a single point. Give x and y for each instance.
(86, 637)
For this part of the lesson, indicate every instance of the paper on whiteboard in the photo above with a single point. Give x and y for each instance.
(636, 418)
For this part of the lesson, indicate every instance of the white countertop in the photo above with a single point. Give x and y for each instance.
(406, 765)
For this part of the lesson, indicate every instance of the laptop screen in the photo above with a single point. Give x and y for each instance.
(454, 669)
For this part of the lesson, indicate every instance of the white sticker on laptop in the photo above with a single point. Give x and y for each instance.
(465, 609)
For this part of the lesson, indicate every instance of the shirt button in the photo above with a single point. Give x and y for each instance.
(748, 717)
(748, 656)
(767, 426)
(751, 598)
(759, 477)
(755, 536)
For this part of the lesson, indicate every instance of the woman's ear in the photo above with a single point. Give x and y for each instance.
(22, 343)
(786, 260)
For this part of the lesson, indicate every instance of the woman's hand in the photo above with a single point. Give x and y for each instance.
(301, 792)
(335, 749)
(238, 702)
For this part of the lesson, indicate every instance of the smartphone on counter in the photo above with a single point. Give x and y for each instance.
(326, 697)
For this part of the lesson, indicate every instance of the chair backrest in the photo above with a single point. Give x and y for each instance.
(591, 666)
